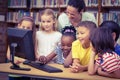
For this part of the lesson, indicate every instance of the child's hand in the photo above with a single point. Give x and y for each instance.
(43, 59)
(76, 67)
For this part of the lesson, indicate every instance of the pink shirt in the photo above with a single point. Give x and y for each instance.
(110, 62)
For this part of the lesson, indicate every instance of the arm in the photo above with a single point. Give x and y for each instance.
(16, 59)
(36, 48)
(91, 67)
(68, 60)
(50, 56)
(103, 73)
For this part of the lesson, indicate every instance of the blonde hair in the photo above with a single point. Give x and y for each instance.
(49, 12)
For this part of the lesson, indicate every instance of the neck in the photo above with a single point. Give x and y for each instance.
(87, 45)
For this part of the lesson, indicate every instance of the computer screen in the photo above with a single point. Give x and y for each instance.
(24, 40)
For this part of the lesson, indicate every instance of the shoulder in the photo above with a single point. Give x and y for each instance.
(76, 43)
(62, 15)
(117, 49)
(87, 16)
(58, 33)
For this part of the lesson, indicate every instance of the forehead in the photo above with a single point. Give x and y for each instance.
(26, 22)
(67, 38)
(71, 9)
(45, 16)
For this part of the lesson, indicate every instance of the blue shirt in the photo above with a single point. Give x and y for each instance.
(117, 49)
(59, 58)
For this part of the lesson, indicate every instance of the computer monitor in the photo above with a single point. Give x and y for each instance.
(24, 40)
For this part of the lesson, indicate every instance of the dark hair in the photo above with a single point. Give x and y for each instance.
(88, 24)
(113, 26)
(78, 4)
(102, 40)
(69, 31)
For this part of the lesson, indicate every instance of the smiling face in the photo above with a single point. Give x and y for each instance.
(83, 34)
(73, 14)
(47, 22)
(66, 43)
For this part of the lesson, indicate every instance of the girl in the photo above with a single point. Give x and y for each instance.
(108, 62)
(115, 29)
(63, 50)
(81, 49)
(25, 22)
(48, 37)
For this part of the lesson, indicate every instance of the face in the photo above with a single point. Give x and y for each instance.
(47, 22)
(66, 43)
(83, 35)
(73, 14)
(25, 25)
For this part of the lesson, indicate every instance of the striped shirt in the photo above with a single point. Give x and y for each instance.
(109, 62)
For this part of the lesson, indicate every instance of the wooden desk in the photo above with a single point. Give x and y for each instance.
(66, 74)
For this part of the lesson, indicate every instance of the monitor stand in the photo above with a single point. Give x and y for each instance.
(12, 53)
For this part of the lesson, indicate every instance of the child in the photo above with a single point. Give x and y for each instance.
(81, 49)
(63, 50)
(108, 62)
(48, 37)
(25, 23)
(115, 28)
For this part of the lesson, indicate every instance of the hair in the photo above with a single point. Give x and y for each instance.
(78, 4)
(69, 31)
(113, 26)
(49, 12)
(88, 24)
(26, 18)
(102, 40)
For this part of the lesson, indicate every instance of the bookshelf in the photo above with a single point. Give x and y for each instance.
(102, 9)
(3, 29)
(110, 10)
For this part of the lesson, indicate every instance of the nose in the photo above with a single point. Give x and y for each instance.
(78, 36)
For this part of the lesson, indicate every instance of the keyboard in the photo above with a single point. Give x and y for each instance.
(43, 67)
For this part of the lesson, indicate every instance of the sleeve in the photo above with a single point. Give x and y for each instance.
(86, 16)
(74, 50)
(110, 63)
(63, 21)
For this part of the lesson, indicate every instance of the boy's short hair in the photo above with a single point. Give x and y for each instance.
(88, 24)
(113, 26)
(78, 4)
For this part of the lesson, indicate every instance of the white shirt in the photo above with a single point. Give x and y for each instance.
(63, 19)
(47, 42)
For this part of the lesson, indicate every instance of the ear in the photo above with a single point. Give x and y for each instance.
(114, 35)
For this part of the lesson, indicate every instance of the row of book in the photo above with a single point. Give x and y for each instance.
(14, 17)
(49, 3)
(104, 2)
(17, 3)
(37, 3)
(112, 15)
(110, 2)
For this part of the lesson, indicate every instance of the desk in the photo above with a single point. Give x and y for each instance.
(66, 74)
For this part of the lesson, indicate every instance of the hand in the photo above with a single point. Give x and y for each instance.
(43, 59)
(76, 67)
